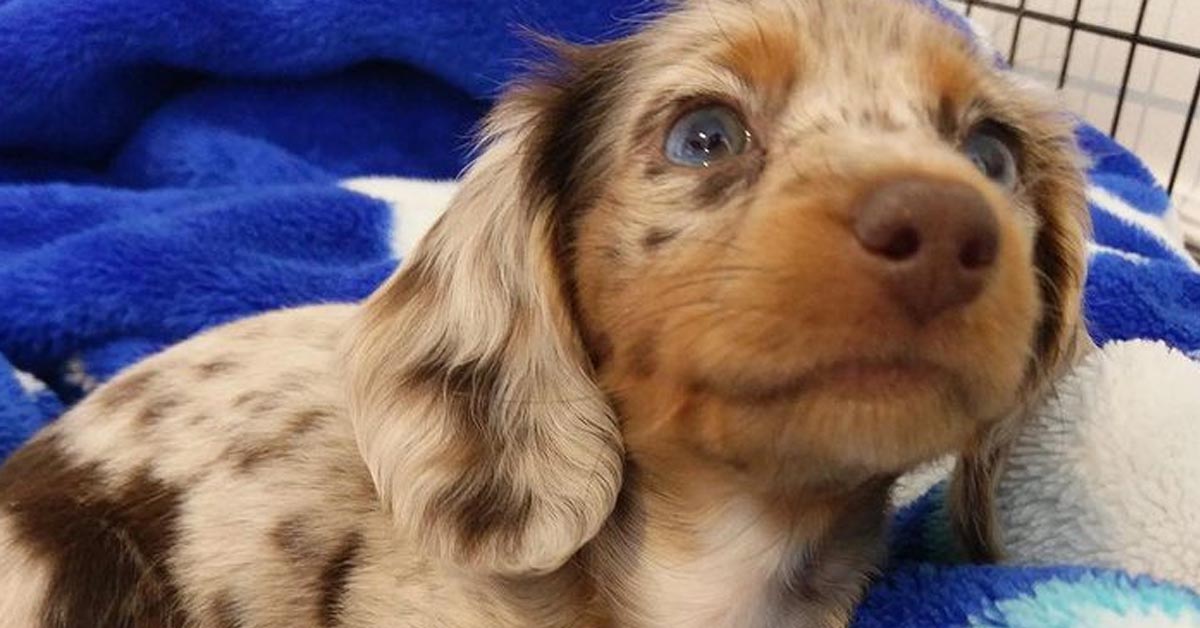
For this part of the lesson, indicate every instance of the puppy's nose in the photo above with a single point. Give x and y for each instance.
(933, 243)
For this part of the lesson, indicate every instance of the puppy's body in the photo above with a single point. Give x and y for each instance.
(705, 294)
(219, 484)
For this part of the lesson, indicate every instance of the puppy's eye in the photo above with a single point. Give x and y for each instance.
(990, 149)
(705, 136)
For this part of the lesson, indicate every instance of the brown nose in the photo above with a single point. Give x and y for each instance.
(933, 242)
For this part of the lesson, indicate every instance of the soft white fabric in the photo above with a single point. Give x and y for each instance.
(1108, 473)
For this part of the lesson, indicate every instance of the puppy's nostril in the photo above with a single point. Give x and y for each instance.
(979, 252)
(904, 243)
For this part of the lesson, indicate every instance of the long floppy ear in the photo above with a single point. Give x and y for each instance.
(471, 393)
(1061, 339)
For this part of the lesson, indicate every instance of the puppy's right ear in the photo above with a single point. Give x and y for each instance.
(1060, 257)
(471, 393)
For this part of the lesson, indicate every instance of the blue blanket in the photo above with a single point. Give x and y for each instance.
(167, 166)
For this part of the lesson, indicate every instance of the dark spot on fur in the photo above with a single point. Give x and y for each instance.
(484, 506)
(946, 118)
(226, 612)
(247, 455)
(601, 349)
(214, 368)
(266, 404)
(658, 236)
(469, 389)
(306, 422)
(124, 390)
(254, 330)
(717, 184)
(292, 537)
(108, 547)
(246, 398)
(199, 419)
(155, 410)
(335, 579)
(655, 170)
(643, 359)
(258, 401)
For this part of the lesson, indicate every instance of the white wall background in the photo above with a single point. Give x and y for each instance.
(1161, 83)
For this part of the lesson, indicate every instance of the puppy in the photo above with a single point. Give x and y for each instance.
(707, 291)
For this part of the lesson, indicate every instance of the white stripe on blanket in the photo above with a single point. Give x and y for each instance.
(1107, 202)
(416, 204)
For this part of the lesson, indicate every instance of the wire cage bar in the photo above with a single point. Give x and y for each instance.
(1136, 40)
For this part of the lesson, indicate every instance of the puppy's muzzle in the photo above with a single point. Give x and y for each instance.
(932, 243)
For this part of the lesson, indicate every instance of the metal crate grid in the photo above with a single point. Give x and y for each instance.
(1011, 22)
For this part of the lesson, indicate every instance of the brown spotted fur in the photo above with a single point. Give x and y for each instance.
(603, 392)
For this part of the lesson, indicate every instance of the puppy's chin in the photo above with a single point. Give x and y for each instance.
(863, 417)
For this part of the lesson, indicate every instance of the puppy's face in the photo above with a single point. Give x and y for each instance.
(811, 234)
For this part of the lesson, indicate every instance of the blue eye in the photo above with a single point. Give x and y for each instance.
(705, 136)
(990, 151)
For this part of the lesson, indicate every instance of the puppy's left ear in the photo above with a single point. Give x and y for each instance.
(1060, 260)
(471, 392)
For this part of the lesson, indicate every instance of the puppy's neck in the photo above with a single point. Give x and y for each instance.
(692, 548)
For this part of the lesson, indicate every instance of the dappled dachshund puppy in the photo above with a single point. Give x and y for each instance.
(707, 291)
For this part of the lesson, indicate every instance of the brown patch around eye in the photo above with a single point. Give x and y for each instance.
(655, 237)
(951, 73)
(945, 116)
(655, 171)
(765, 56)
(718, 183)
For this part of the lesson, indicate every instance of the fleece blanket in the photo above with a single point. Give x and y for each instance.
(167, 166)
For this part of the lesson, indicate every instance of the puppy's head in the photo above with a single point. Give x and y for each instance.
(790, 242)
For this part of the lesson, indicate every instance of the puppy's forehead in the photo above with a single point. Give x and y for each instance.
(850, 48)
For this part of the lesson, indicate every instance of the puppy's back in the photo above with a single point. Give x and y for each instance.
(214, 482)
